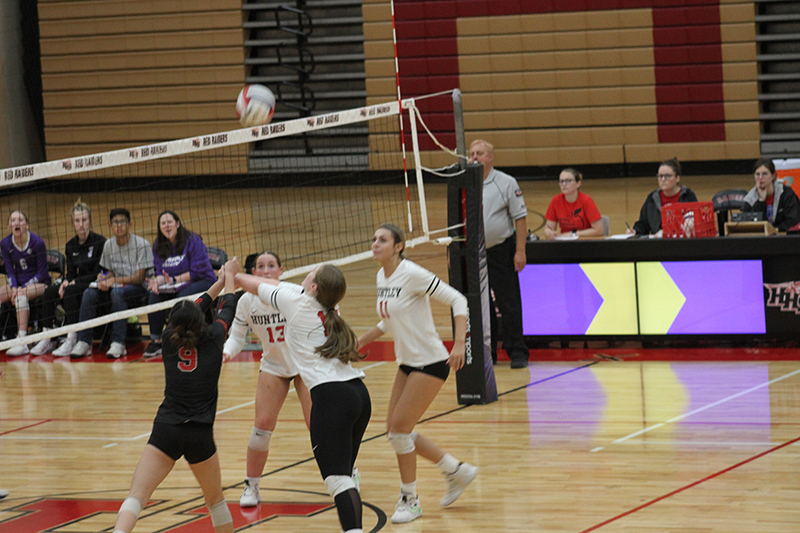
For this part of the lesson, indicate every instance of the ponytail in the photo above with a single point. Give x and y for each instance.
(341, 342)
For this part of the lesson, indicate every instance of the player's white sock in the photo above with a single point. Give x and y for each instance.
(448, 464)
(409, 488)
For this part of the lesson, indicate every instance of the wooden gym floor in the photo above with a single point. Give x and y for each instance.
(623, 440)
(579, 446)
(642, 441)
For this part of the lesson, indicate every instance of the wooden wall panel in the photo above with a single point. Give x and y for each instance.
(117, 73)
(580, 86)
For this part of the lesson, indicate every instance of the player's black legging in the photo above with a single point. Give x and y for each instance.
(340, 413)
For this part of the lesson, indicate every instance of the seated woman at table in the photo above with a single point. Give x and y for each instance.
(182, 268)
(572, 211)
(775, 200)
(670, 191)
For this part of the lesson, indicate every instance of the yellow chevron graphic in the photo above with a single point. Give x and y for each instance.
(660, 300)
(616, 284)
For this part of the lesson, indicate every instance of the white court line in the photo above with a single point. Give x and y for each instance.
(711, 443)
(8, 437)
(117, 440)
(699, 444)
(709, 406)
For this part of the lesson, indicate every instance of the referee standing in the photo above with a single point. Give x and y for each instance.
(504, 223)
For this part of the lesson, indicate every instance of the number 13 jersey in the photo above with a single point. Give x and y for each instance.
(270, 327)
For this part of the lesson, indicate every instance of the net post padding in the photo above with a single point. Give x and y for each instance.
(475, 382)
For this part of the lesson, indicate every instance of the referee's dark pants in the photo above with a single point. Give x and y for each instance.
(504, 282)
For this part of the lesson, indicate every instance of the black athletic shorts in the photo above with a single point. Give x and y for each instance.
(192, 440)
(438, 370)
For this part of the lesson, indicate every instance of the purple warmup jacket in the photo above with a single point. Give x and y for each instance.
(24, 267)
(194, 260)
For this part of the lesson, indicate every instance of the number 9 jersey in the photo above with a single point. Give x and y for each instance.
(191, 375)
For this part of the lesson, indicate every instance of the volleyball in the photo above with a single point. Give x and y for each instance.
(255, 105)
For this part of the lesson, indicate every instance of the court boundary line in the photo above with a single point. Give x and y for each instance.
(689, 486)
(705, 407)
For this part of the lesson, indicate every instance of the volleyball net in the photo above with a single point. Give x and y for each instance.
(311, 189)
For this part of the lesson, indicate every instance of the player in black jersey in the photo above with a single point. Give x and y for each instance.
(184, 425)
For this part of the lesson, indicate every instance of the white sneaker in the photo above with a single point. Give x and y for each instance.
(16, 351)
(116, 350)
(251, 495)
(457, 482)
(406, 510)
(3, 493)
(81, 349)
(356, 475)
(43, 346)
(65, 349)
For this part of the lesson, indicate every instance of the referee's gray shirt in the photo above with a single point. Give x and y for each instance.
(502, 205)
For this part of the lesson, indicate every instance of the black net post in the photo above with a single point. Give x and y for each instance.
(475, 382)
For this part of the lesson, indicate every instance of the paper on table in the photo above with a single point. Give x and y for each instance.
(566, 237)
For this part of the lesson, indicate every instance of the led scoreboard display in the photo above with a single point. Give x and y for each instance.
(733, 288)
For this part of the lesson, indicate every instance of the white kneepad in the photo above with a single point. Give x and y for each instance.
(259, 440)
(338, 484)
(132, 505)
(21, 302)
(220, 514)
(403, 443)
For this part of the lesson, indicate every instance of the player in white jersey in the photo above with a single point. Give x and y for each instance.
(275, 377)
(322, 346)
(404, 291)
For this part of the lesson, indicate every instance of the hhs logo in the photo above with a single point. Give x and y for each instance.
(784, 296)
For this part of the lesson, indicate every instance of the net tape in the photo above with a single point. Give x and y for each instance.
(65, 167)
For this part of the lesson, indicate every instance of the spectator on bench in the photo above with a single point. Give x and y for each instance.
(25, 257)
(83, 265)
(182, 268)
(126, 262)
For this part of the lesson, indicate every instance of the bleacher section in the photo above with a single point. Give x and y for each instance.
(569, 83)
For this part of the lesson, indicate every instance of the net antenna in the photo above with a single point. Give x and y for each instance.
(400, 118)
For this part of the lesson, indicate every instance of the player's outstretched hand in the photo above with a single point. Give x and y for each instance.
(232, 266)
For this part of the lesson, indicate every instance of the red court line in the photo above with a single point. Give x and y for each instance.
(384, 351)
(698, 482)
(26, 427)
